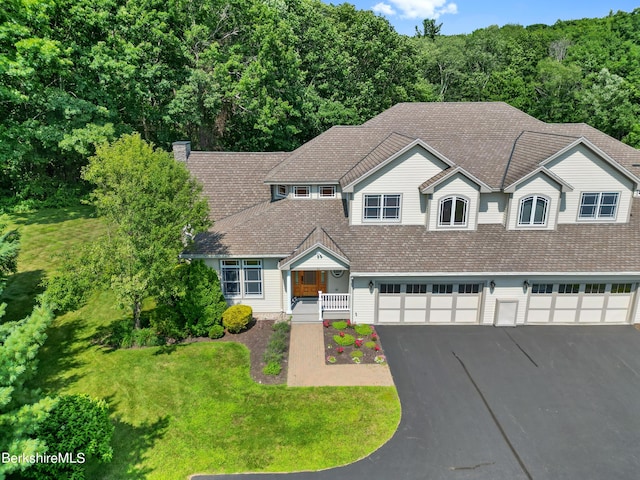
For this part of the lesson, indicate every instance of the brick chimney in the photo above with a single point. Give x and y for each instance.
(181, 151)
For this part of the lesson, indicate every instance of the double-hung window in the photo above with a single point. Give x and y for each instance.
(598, 205)
(241, 278)
(302, 191)
(533, 211)
(382, 208)
(453, 212)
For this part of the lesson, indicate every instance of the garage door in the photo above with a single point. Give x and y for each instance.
(441, 303)
(590, 303)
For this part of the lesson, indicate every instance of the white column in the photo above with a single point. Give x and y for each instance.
(320, 306)
(289, 296)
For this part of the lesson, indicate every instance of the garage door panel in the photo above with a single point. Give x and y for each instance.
(592, 302)
(619, 301)
(441, 302)
(590, 316)
(440, 316)
(539, 301)
(388, 316)
(467, 302)
(389, 301)
(415, 316)
(563, 301)
(539, 316)
(466, 316)
(564, 316)
(415, 301)
(616, 316)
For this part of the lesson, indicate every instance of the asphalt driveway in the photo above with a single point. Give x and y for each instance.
(507, 403)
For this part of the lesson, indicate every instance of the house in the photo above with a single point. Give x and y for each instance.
(432, 213)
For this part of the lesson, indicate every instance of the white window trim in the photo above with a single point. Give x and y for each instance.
(530, 223)
(597, 217)
(454, 200)
(332, 187)
(242, 266)
(380, 218)
(295, 191)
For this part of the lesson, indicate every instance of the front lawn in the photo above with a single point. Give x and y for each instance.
(190, 408)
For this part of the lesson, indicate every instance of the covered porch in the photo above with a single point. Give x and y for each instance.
(316, 279)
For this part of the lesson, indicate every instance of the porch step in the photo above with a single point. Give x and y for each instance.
(305, 318)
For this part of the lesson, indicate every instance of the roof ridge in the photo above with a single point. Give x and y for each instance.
(355, 165)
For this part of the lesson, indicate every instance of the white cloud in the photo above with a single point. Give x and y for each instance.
(383, 9)
(419, 9)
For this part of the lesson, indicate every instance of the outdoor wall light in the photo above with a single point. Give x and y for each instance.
(492, 285)
(525, 285)
(371, 285)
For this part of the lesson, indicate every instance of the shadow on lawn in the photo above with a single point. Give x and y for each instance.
(49, 216)
(60, 351)
(130, 446)
(20, 294)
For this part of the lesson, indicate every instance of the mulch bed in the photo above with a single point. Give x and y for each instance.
(331, 348)
(255, 338)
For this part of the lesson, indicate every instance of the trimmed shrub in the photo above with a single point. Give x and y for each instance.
(363, 329)
(217, 331)
(344, 341)
(272, 368)
(237, 317)
(356, 354)
(370, 345)
(339, 324)
(202, 302)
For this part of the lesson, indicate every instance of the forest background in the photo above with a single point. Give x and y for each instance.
(267, 75)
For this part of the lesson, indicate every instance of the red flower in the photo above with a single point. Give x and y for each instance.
(340, 349)
(374, 337)
(377, 348)
(342, 334)
(359, 343)
(326, 324)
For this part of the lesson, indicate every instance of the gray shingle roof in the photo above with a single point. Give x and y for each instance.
(233, 181)
(318, 236)
(494, 142)
(282, 227)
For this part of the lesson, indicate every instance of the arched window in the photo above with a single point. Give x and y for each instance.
(533, 210)
(453, 212)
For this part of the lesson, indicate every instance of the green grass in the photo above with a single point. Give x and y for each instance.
(193, 408)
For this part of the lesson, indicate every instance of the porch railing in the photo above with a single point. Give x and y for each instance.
(333, 302)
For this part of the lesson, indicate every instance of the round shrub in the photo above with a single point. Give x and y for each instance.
(356, 354)
(363, 329)
(272, 368)
(339, 324)
(370, 345)
(217, 331)
(345, 341)
(331, 359)
(237, 317)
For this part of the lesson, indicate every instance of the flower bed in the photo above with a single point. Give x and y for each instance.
(346, 343)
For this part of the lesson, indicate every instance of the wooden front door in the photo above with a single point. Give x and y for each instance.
(308, 284)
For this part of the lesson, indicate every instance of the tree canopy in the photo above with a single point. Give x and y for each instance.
(271, 75)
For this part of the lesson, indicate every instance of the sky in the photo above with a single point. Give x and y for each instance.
(465, 16)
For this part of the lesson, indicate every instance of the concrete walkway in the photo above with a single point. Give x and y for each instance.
(307, 366)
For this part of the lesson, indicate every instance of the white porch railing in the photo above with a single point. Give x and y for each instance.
(332, 302)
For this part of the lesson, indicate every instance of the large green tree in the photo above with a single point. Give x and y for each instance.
(152, 208)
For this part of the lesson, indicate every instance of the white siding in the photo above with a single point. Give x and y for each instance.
(586, 172)
(492, 208)
(318, 259)
(507, 289)
(272, 288)
(338, 285)
(402, 176)
(456, 185)
(539, 184)
(363, 301)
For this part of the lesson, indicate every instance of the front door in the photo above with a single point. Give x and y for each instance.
(308, 284)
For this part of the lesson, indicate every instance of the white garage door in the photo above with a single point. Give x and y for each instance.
(442, 303)
(571, 303)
